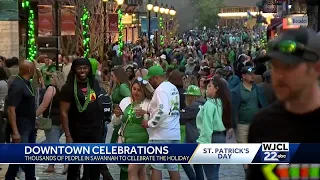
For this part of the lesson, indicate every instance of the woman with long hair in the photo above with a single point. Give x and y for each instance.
(133, 111)
(52, 94)
(120, 91)
(213, 119)
(38, 84)
(121, 84)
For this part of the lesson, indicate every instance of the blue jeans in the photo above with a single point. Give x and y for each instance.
(28, 135)
(211, 170)
(195, 173)
(53, 135)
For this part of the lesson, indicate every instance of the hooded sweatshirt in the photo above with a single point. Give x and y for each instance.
(188, 118)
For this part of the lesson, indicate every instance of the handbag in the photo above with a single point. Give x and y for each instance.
(121, 138)
(46, 123)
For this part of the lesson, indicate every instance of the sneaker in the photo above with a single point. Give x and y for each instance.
(20, 175)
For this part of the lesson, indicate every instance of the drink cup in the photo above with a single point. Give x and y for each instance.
(137, 108)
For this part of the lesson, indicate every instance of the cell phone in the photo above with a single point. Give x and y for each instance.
(116, 106)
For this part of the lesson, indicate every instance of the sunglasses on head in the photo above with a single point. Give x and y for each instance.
(294, 48)
(142, 80)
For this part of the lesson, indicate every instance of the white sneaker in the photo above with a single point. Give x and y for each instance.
(20, 175)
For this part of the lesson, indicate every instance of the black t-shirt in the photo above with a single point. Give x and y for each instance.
(276, 124)
(21, 96)
(89, 120)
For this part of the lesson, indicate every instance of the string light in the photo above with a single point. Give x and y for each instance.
(85, 33)
(161, 27)
(161, 39)
(31, 44)
(120, 29)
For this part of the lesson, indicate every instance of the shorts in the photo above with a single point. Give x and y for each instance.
(242, 133)
(169, 167)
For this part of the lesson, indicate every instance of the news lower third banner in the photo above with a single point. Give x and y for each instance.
(273, 153)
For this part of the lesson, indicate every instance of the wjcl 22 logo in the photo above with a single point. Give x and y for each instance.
(275, 153)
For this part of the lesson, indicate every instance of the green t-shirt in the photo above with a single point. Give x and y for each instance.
(183, 62)
(232, 57)
(120, 92)
(133, 132)
(47, 78)
(249, 105)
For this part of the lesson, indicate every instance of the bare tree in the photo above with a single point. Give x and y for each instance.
(96, 25)
(72, 44)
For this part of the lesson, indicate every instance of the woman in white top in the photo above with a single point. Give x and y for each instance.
(131, 112)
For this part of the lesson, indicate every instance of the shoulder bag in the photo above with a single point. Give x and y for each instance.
(46, 123)
(121, 138)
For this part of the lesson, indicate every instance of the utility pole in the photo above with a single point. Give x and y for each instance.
(105, 29)
(287, 7)
(26, 12)
(56, 9)
(149, 30)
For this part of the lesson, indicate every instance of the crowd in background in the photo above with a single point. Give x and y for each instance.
(215, 70)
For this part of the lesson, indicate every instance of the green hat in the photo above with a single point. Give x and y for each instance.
(193, 91)
(154, 71)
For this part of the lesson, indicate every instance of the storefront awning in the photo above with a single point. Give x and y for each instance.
(275, 23)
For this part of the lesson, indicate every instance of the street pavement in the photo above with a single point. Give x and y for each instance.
(227, 172)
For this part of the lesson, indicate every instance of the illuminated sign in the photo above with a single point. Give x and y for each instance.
(298, 20)
(295, 21)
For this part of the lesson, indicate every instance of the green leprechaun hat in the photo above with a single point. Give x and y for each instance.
(193, 90)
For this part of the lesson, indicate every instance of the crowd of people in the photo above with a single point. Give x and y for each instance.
(204, 87)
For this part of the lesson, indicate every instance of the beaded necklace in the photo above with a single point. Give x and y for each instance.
(75, 91)
(30, 90)
(130, 113)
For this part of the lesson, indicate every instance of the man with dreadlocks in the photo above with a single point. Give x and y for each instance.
(81, 113)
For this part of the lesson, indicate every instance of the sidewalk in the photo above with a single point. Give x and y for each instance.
(40, 138)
